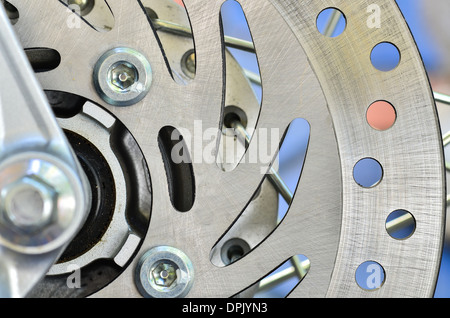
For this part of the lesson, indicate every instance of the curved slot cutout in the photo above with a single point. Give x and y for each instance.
(179, 170)
(96, 13)
(170, 22)
(281, 281)
(270, 202)
(243, 88)
(43, 59)
(11, 12)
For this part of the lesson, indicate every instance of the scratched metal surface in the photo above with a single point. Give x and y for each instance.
(330, 82)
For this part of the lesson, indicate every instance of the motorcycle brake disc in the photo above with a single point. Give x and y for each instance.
(158, 229)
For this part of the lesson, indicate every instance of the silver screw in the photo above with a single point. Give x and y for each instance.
(164, 272)
(122, 77)
(39, 203)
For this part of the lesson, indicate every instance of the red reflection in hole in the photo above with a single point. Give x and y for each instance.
(381, 115)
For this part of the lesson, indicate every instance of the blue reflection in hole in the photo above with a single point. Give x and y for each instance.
(385, 57)
(400, 224)
(325, 22)
(292, 158)
(368, 172)
(370, 276)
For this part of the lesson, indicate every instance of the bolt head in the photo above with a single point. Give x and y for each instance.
(29, 203)
(123, 76)
(165, 274)
(42, 203)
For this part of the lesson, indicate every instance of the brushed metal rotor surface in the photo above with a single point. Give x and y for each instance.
(330, 82)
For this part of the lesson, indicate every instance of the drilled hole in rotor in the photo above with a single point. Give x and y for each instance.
(11, 12)
(400, 225)
(381, 115)
(331, 22)
(370, 276)
(385, 57)
(368, 173)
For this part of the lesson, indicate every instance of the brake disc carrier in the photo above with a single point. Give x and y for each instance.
(154, 227)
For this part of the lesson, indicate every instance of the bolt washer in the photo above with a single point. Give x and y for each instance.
(102, 79)
(164, 255)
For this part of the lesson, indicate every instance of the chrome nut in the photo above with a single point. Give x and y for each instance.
(40, 206)
(29, 204)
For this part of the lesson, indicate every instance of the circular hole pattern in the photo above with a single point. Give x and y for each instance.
(370, 276)
(381, 115)
(385, 57)
(400, 224)
(331, 22)
(368, 173)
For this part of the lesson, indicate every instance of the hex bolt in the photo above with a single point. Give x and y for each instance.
(39, 203)
(29, 203)
(164, 272)
(122, 76)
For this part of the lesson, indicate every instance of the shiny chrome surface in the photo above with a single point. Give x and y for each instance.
(45, 196)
